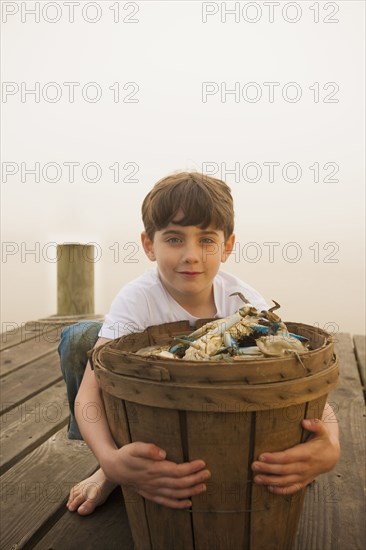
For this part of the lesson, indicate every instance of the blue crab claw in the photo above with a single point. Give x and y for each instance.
(184, 342)
(176, 347)
(301, 338)
(274, 328)
(266, 330)
(229, 341)
(230, 344)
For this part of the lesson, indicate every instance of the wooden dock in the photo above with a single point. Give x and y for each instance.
(39, 464)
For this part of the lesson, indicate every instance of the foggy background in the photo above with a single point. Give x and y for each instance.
(151, 95)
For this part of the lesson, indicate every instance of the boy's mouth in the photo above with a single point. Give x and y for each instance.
(190, 273)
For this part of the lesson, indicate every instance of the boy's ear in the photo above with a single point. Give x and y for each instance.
(148, 246)
(228, 248)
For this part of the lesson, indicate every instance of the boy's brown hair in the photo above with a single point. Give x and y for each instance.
(204, 200)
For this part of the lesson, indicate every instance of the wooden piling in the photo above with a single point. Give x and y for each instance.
(75, 279)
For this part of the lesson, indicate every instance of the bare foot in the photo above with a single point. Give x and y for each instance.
(90, 493)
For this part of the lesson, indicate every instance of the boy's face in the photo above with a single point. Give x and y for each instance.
(188, 257)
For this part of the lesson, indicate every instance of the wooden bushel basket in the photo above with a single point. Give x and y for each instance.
(226, 413)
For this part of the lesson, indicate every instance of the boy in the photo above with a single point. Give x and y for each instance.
(189, 224)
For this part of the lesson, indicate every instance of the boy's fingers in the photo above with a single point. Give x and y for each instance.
(177, 475)
(279, 469)
(315, 426)
(185, 482)
(179, 471)
(299, 453)
(151, 451)
(147, 450)
(282, 457)
(163, 468)
(262, 479)
(189, 468)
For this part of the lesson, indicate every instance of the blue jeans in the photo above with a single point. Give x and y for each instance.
(76, 340)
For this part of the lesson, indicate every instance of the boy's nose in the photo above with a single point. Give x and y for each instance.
(191, 254)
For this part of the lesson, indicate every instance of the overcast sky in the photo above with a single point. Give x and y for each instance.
(102, 99)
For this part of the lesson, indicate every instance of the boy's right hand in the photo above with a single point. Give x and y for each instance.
(143, 466)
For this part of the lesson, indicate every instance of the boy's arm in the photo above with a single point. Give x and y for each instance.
(96, 434)
(138, 465)
(288, 471)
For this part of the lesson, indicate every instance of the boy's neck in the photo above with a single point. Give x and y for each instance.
(199, 305)
(205, 310)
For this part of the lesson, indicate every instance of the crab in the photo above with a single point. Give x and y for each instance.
(246, 334)
(156, 351)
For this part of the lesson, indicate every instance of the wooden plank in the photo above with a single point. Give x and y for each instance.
(322, 516)
(106, 527)
(276, 510)
(276, 430)
(252, 371)
(31, 423)
(23, 384)
(222, 440)
(18, 356)
(31, 330)
(334, 506)
(162, 427)
(359, 342)
(190, 396)
(135, 504)
(314, 409)
(35, 490)
(48, 328)
(15, 334)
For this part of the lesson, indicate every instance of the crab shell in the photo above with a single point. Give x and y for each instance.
(280, 344)
(204, 347)
(158, 351)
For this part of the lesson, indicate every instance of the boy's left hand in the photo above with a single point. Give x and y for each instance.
(289, 471)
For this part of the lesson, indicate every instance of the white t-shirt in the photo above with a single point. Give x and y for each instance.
(145, 302)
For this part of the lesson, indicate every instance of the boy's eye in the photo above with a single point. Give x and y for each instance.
(177, 240)
(173, 240)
